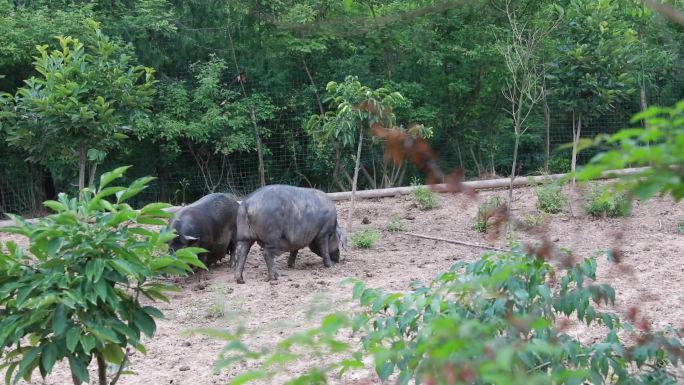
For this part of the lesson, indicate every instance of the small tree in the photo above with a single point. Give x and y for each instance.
(356, 108)
(76, 295)
(524, 85)
(594, 67)
(81, 100)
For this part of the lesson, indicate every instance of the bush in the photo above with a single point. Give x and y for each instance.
(485, 212)
(487, 322)
(365, 239)
(602, 202)
(534, 220)
(559, 165)
(396, 224)
(423, 197)
(550, 198)
(76, 294)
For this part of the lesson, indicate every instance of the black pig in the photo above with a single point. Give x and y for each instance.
(284, 218)
(209, 223)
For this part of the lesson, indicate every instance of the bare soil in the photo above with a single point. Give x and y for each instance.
(649, 239)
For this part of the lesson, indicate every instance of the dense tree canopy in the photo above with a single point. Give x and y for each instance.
(235, 74)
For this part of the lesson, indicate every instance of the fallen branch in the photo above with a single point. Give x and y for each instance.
(456, 242)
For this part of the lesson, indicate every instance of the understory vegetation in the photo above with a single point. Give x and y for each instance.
(343, 96)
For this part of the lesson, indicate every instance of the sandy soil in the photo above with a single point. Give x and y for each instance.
(650, 242)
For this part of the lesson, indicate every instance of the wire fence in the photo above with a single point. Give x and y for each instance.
(290, 157)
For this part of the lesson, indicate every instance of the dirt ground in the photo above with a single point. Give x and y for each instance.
(650, 242)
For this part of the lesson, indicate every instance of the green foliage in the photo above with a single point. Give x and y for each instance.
(423, 197)
(558, 165)
(487, 322)
(603, 201)
(396, 224)
(595, 64)
(75, 293)
(486, 211)
(83, 97)
(534, 220)
(550, 198)
(365, 239)
(660, 146)
(354, 107)
(680, 227)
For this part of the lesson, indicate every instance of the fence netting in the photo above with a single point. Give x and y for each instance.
(483, 149)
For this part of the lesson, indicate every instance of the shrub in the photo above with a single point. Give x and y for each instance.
(602, 202)
(396, 224)
(550, 198)
(559, 165)
(534, 220)
(487, 322)
(485, 212)
(76, 294)
(365, 239)
(423, 197)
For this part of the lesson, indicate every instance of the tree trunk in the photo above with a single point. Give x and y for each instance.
(547, 127)
(356, 178)
(313, 84)
(513, 168)
(49, 191)
(260, 155)
(576, 133)
(81, 166)
(644, 101)
(93, 171)
(101, 369)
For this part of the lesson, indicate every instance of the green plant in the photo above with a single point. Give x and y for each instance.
(486, 211)
(659, 146)
(602, 201)
(179, 194)
(422, 196)
(534, 220)
(83, 98)
(492, 321)
(558, 165)
(550, 198)
(356, 108)
(219, 304)
(365, 239)
(76, 293)
(680, 227)
(396, 224)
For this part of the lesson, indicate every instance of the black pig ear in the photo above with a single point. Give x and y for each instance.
(191, 240)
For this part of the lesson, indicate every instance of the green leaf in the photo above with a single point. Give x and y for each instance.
(59, 319)
(10, 370)
(108, 177)
(113, 353)
(79, 369)
(49, 356)
(55, 206)
(27, 362)
(72, 338)
(144, 322)
(153, 312)
(385, 370)
(246, 377)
